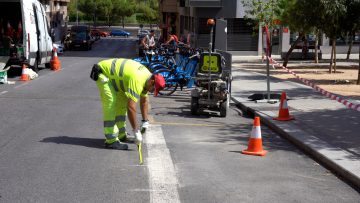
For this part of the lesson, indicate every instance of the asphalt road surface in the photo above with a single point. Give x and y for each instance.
(51, 148)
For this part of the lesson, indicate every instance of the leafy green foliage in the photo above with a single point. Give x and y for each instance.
(114, 10)
(148, 11)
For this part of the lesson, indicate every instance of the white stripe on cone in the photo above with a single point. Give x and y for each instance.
(256, 132)
(285, 106)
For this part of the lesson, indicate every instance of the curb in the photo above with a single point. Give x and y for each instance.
(343, 171)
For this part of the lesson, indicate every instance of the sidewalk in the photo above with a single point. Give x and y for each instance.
(339, 57)
(324, 128)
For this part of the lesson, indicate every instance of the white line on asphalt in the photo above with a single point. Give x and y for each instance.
(162, 176)
(25, 83)
(3, 92)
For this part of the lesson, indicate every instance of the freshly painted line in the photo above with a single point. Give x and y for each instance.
(162, 176)
(188, 124)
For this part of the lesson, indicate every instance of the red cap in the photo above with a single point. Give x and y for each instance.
(159, 83)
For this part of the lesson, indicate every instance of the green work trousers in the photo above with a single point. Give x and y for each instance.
(114, 105)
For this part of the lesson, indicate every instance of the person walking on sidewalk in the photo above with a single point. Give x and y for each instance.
(122, 83)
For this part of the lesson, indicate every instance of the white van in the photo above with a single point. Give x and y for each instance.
(24, 34)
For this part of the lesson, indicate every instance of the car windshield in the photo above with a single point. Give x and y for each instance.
(78, 35)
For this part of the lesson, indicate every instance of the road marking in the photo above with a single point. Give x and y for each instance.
(189, 124)
(162, 177)
(23, 84)
(3, 92)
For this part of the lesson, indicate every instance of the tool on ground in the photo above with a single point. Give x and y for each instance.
(255, 141)
(140, 154)
(284, 110)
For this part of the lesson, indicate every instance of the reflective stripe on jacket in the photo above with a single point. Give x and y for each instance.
(126, 76)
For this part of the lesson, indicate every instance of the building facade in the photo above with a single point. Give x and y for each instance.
(57, 16)
(188, 18)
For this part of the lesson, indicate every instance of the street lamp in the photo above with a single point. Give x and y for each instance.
(77, 13)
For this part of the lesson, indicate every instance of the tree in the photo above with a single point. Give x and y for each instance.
(105, 8)
(73, 12)
(334, 11)
(301, 16)
(353, 8)
(91, 8)
(148, 11)
(123, 8)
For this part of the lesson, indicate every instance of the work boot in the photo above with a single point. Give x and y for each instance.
(127, 138)
(117, 145)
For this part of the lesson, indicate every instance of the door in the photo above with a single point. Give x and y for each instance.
(39, 21)
(276, 41)
(48, 46)
(221, 34)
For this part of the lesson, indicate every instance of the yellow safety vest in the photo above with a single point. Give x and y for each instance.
(126, 76)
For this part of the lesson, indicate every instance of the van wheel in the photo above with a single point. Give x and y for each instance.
(35, 67)
(47, 65)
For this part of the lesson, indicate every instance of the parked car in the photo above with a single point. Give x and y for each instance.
(141, 34)
(119, 33)
(79, 37)
(99, 33)
(59, 48)
(78, 40)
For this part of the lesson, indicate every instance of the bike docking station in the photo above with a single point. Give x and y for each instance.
(213, 82)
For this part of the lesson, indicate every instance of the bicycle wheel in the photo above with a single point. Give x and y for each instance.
(170, 82)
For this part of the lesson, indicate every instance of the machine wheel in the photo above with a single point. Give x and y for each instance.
(194, 105)
(224, 106)
(223, 109)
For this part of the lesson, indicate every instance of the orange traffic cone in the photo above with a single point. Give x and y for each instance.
(24, 76)
(255, 141)
(55, 62)
(284, 109)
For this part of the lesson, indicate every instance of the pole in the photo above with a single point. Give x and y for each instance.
(268, 77)
(209, 68)
(267, 53)
(77, 13)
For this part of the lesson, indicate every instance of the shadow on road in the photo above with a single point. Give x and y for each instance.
(81, 141)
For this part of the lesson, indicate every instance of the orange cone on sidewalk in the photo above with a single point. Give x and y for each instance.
(284, 109)
(55, 62)
(255, 141)
(24, 76)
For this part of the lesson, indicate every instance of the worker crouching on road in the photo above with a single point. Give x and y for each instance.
(121, 83)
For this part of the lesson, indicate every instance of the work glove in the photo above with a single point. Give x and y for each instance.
(138, 137)
(144, 126)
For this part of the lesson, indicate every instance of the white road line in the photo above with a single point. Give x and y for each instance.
(3, 92)
(162, 176)
(21, 85)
